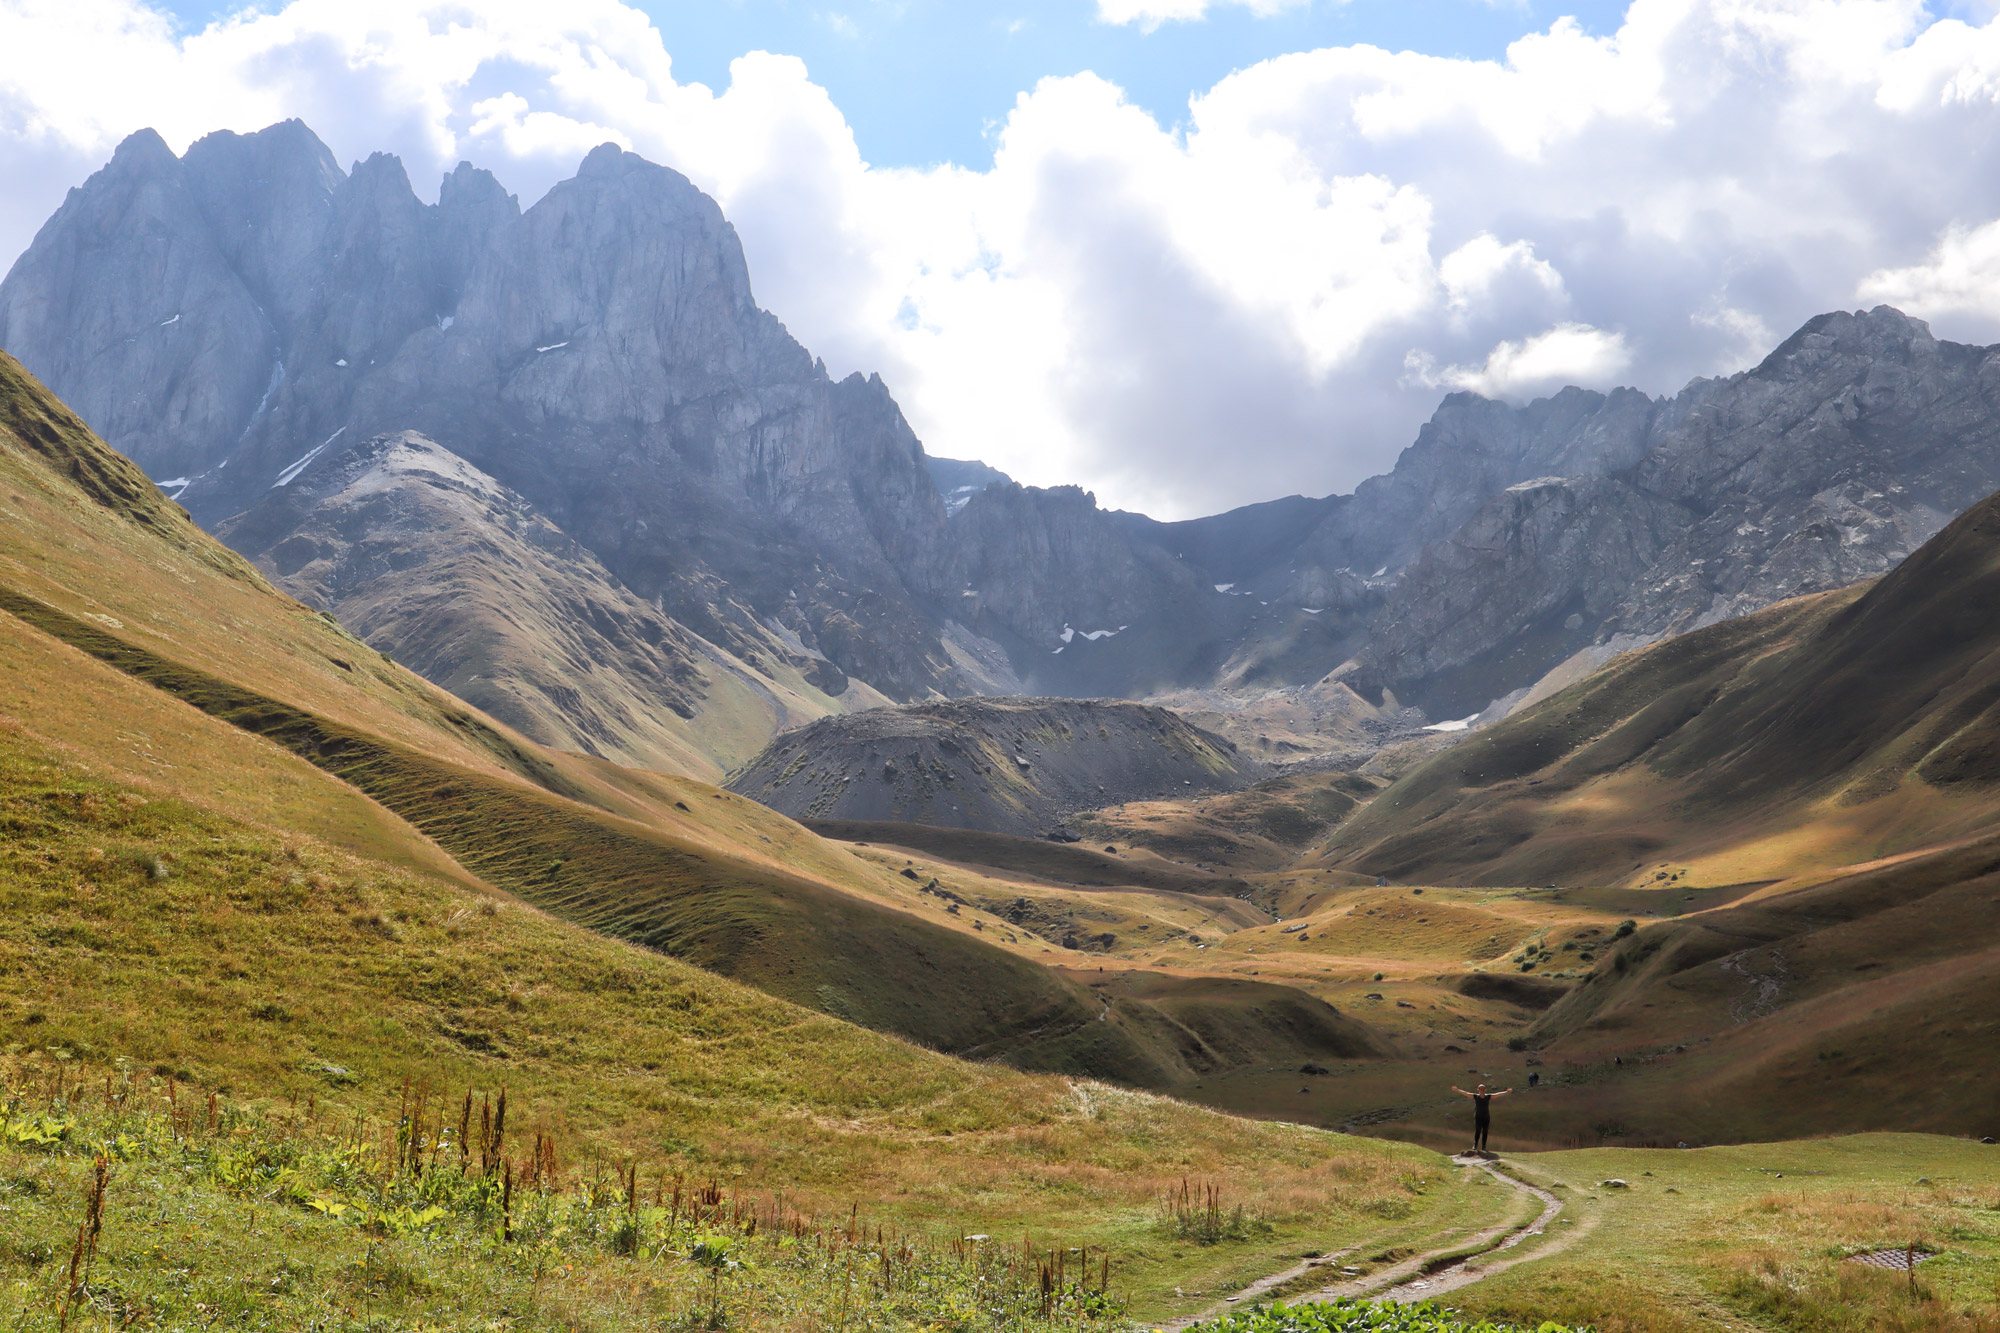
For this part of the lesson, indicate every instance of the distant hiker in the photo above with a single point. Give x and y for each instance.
(1482, 1112)
(1534, 1079)
(1381, 881)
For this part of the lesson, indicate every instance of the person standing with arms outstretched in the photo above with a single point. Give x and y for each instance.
(1482, 1112)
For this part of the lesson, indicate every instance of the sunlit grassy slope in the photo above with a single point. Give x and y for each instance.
(150, 933)
(1759, 1236)
(1805, 794)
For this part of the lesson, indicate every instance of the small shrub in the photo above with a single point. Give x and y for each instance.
(1196, 1213)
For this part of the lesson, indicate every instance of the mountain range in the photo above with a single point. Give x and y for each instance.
(559, 461)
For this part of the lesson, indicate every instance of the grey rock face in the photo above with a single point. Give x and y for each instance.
(601, 355)
(1471, 449)
(1021, 550)
(128, 308)
(1083, 606)
(1845, 450)
(1002, 765)
(1529, 580)
(958, 480)
(1850, 446)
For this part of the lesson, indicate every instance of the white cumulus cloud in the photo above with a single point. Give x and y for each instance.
(1960, 277)
(1150, 14)
(1263, 297)
(1565, 354)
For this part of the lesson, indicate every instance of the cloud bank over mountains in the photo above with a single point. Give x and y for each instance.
(1266, 297)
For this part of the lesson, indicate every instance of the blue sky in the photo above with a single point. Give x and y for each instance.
(926, 81)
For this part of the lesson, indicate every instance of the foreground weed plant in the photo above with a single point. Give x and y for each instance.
(1197, 1213)
(1362, 1317)
(135, 1203)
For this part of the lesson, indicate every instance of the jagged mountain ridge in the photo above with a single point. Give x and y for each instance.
(600, 354)
(247, 313)
(137, 645)
(1848, 447)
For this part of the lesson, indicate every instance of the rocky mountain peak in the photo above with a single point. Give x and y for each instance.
(268, 198)
(471, 189)
(140, 153)
(1884, 333)
(128, 306)
(472, 208)
(606, 159)
(601, 354)
(381, 179)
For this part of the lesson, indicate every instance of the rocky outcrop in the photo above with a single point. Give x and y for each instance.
(1002, 765)
(126, 305)
(1845, 450)
(958, 480)
(1528, 581)
(1472, 449)
(1853, 443)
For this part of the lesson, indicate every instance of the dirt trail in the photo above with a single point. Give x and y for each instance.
(1438, 1280)
(1424, 1276)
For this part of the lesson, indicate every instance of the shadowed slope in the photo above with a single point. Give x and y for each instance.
(1060, 862)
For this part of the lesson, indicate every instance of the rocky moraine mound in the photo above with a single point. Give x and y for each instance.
(1006, 765)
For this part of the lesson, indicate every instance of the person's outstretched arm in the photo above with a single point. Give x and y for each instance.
(1502, 1093)
(1460, 1091)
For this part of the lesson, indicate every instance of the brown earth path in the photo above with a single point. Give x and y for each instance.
(1421, 1277)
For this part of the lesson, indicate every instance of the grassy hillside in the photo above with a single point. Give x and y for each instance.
(1794, 806)
(243, 853)
(1036, 858)
(1263, 828)
(142, 935)
(1819, 733)
(1760, 1236)
(99, 563)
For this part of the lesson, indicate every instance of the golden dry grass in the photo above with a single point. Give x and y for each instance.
(152, 931)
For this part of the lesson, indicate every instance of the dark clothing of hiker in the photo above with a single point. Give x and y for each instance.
(1482, 1112)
